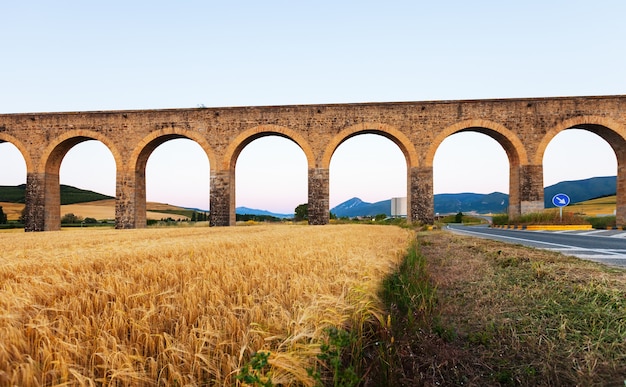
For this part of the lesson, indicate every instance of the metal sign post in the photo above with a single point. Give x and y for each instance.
(560, 200)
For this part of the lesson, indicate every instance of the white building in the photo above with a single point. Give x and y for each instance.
(398, 207)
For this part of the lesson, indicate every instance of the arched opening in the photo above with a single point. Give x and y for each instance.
(366, 171)
(471, 172)
(87, 184)
(45, 212)
(271, 177)
(582, 164)
(177, 175)
(12, 182)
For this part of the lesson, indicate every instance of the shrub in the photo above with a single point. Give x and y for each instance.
(500, 219)
(549, 217)
(600, 222)
(70, 218)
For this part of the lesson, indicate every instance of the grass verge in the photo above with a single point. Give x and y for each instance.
(476, 312)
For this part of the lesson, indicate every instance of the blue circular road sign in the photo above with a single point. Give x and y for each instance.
(560, 200)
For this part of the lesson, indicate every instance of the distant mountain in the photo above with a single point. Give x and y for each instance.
(496, 202)
(252, 211)
(444, 203)
(581, 190)
(69, 194)
(357, 207)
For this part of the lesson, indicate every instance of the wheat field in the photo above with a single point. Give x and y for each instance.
(183, 306)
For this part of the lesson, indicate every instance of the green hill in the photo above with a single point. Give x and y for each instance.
(582, 190)
(69, 194)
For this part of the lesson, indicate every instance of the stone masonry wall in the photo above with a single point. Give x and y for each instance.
(524, 127)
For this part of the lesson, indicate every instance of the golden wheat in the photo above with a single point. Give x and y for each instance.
(185, 306)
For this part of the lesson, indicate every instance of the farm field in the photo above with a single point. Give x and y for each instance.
(100, 210)
(184, 306)
(596, 207)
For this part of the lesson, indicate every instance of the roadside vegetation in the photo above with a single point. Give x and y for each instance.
(462, 218)
(552, 216)
(480, 312)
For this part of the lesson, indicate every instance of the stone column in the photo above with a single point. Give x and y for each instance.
(319, 210)
(130, 200)
(52, 200)
(34, 212)
(529, 193)
(222, 198)
(514, 192)
(620, 208)
(421, 204)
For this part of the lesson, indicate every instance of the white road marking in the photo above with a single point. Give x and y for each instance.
(580, 252)
(592, 232)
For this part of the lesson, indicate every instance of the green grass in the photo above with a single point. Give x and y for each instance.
(408, 290)
(487, 313)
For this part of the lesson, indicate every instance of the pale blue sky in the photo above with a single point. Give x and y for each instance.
(78, 55)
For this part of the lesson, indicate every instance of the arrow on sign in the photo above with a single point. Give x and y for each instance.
(560, 200)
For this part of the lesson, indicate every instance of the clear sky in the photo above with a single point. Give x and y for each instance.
(81, 55)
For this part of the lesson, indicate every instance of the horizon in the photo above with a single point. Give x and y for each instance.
(350, 199)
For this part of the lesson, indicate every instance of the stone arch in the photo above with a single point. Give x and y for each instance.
(513, 146)
(401, 140)
(131, 206)
(387, 131)
(53, 154)
(143, 150)
(246, 137)
(21, 148)
(50, 165)
(611, 131)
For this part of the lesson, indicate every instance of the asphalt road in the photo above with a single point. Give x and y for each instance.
(604, 246)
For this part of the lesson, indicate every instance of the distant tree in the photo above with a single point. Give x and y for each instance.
(3, 216)
(458, 218)
(302, 212)
(333, 216)
(380, 217)
(91, 221)
(71, 218)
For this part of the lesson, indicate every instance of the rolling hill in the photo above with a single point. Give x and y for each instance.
(69, 194)
(582, 190)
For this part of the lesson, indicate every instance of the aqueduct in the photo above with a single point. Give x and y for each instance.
(523, 127)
